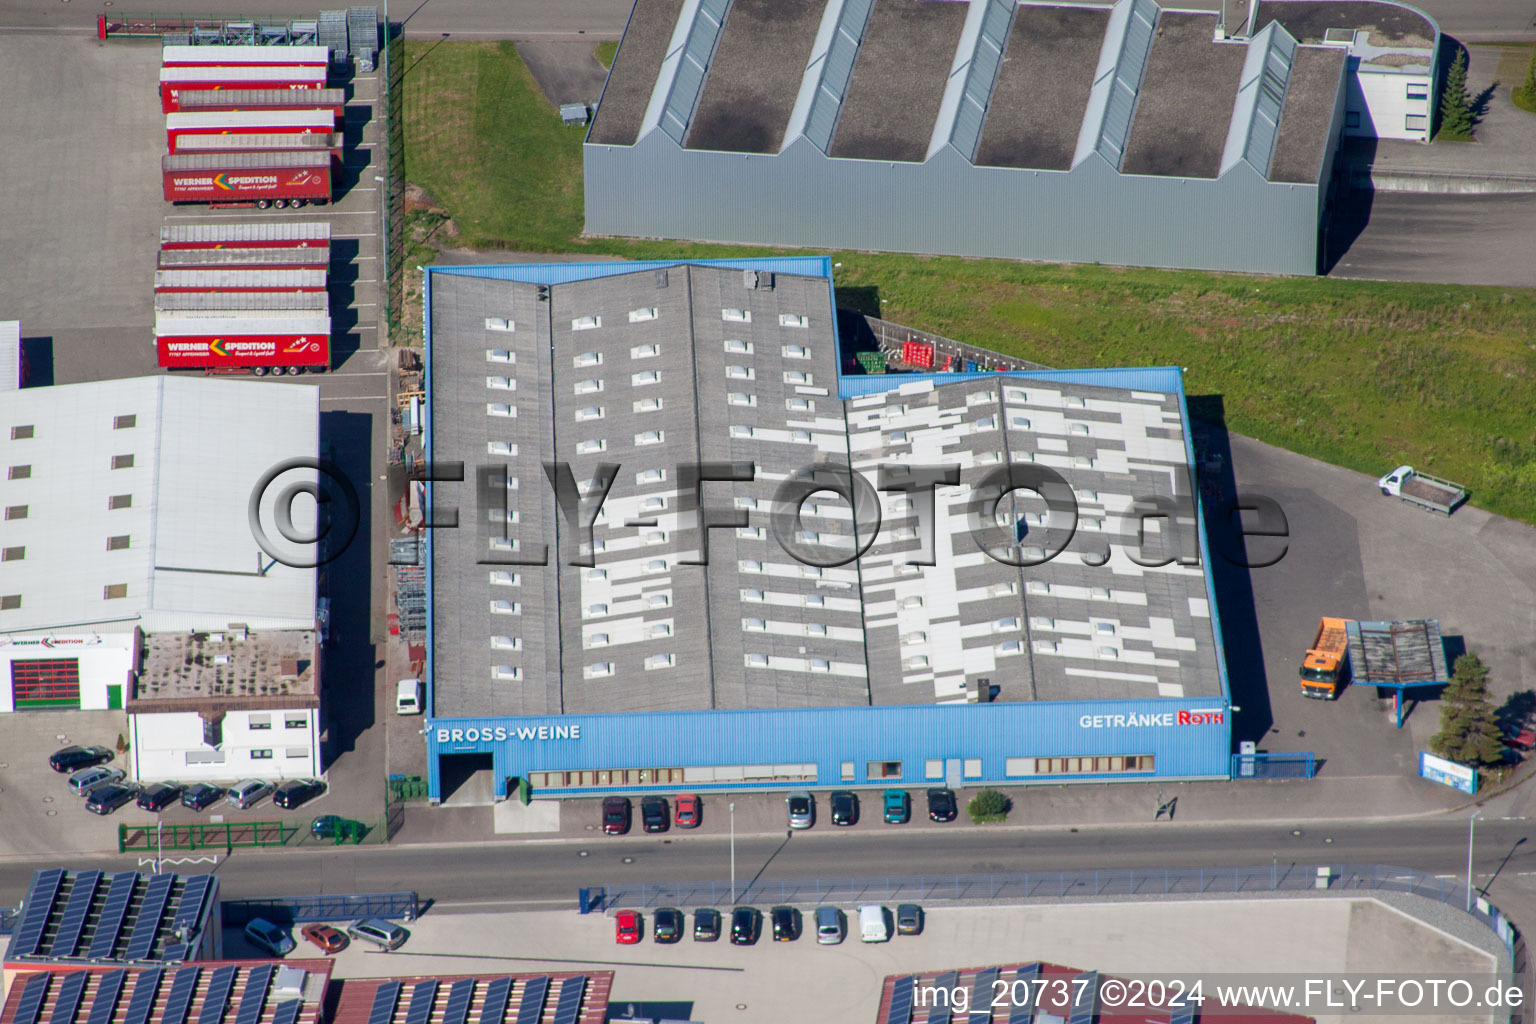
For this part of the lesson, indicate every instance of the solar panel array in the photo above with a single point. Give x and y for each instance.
(568, 1006)
(68, 1001)
(422, 995)
(141, 941)
(531, 1008)
(1023, 1007)
(109, 927)
(78, 907)
(983, 991)
(105, 1002)
(31, 1002)
(1183, 1013)
(1085, 998)
(900, 1010)
(45, 889)
(143, 999)
(191, 906)
(940, 1012)
(288, 1012)
(384, 1003)
(254, 995)
(183, 988)
(495, 1005)
(459, 996)
(216, 998)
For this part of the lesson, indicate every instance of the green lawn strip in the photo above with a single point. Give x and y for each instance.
(605, 51)
(1367, 375)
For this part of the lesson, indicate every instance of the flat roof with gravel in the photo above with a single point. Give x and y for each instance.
(634, 71)
(1302, 139)
(227, 669)
(1385, 24)
(1185, 101)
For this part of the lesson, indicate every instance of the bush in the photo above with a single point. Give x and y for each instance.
(988, 807)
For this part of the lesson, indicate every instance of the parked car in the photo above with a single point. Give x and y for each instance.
(72, 759)
(706, 924)
(615, 815)
(385, 934)
(654, 815)
(1520, 736)
(327, 826)
(667, 925)
(157, 796)
(941, 805)
(82, 782)
(786, 924)
(874, 923)
(746, 925)
(909, 919)
(268, 937)
(106, 798)
(831, 926)
(687, 811)
(626, 927)
(329, 940)
(297, 791)
(898, 807)
(200, 795)
(247, 792)
(845, 808)
(802, 809)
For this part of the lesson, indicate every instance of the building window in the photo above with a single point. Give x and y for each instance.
(500, 355)
(1416, 122)
(660, 600)
(261, 755)
(46, 682)
(648, 405)
(295, 721)
(124, 422)
(501, 383)
(660, 661)
(9, 602)
(113, 591)
(21, 433)
(741, 373)
(757, 661)
(586, 323)
(650, 437)
(601, 669)
(204, 757)
(499, 323)
(588, 387)
(16, 512)
(793, 320)
(972, 768)
(847, 772)
(1025, 767)
(796, 352)
(650, 476)
(12, 554)
(641, 315)
(1351, 119)
(259, 722)
(1418, 90)
(740, 316)
(644, 351)
(883, 770)
(117, 543)
(296, 752)
(734, 345)
(645, 377)
(20, 473)
(933, 769)
(122, 462)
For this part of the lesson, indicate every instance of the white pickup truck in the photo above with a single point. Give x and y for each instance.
(1427, 492)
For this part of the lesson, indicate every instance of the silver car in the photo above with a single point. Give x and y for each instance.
(802, 809)
(87, 779)
(831, 926)
(246, 792)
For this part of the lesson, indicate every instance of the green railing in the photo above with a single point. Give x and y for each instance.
(204, 836)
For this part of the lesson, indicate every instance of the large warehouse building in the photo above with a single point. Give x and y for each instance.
(759, 651)
(1133, 133)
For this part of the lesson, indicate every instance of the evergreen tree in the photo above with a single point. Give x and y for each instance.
(1469, 731)
(1455, 103)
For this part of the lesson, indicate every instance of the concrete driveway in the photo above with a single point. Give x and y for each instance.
(566, 72)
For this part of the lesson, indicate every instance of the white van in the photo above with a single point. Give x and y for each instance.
(874, 923)
(408, 697)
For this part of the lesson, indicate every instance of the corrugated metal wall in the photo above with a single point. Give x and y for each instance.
(1090, 214)
(830, 736)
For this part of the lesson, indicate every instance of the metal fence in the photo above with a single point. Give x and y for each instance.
(8, 918)
(1064, 885)
(1274, 766)
(291, 910)
(204, 836)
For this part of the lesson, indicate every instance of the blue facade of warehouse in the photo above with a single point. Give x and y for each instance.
(1008, 743)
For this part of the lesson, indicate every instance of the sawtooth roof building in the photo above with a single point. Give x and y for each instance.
(1131, 133)
(762, 651)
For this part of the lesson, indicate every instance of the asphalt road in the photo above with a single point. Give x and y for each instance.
(1455, 239)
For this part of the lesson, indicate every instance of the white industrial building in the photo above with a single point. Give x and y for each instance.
(126, 533)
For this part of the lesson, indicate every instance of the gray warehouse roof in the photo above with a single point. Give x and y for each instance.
(1386, 24)
(747, 99)
(627, 377)
(1186, 73)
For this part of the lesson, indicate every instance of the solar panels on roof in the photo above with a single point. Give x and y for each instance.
(288, 1012)
(900, 1010)
(45, 889)
(939, 1012)
(1085, 998)
(175, 953)
(568, 1006)
(983, 991)
(104, 1004)
(531, 1007)
(216, 998)
(31, 1002)
(76, 910)
(110, 925)
(384, 1003)
(141, 941)
(190, 909)
(1023, 1011)
(459, 997)
(253, 996)
(143, 999)
(1183, 1013)
(183, 986)
(67, 1003)
(495, 1006)
(422, 995)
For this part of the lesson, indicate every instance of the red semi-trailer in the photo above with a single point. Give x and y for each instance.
(242, 258)
(313, 143)
(175, 81)
(239, 281)
(247, 122)
(277, 234)
(243, 56)
(333, 100)
(241, 304)
(260, 345)
(262, 179)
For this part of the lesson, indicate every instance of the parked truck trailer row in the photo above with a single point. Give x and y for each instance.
(245, 56)
(241, 304)
(240, 281)
(247, 234)
(333, 100)
(176, 80)
(260, 179)
(256, 344)
(243, 258)
(246, 122)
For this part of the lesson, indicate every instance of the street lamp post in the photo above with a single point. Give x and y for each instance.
(1471, 828)
(733, 854)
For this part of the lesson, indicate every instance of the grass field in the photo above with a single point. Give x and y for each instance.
(605, 51)
(1360, 374)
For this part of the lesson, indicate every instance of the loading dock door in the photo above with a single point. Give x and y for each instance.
(46, 683)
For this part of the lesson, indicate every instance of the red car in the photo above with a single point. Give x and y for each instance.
(687, 811)
(616, 815)
(324, 936)
(1518, 736)
(626, 927)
